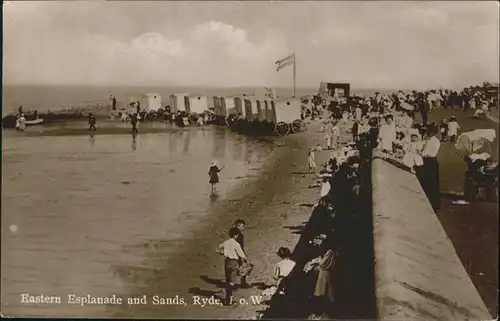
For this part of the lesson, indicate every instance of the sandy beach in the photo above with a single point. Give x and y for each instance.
(170, 251)
(82, 206)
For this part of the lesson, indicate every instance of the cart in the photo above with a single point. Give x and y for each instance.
(285, 115)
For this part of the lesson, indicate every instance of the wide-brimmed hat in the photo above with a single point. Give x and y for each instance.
(284, 252)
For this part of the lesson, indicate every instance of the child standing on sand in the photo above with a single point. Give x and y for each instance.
(335, 135)
(312, 161)
(213, 173)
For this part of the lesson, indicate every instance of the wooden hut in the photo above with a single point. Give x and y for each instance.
(238, 105)
(198, 104)
(179, 102)
(151, 102)
(223, 107)
(230, 105)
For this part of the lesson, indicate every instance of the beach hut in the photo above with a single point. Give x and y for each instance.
(198, 104)
(285, 114)
(251, 109)
(152, 102)
(238, 105)
(223, 108)
(178, 102)
(261, 109)
(247, 107)
(230, 105)
(216, 103)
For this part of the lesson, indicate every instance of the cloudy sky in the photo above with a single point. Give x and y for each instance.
(370, 45)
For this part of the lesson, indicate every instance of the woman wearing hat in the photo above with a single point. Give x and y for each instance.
(284, 267)
(430, 168)
(213, 173)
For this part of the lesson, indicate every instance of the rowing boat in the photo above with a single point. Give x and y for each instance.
(34, 121)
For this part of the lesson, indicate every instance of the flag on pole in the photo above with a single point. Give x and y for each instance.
(287, 61)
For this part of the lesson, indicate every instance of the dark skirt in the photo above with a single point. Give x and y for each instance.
(214, 178)
(429, 179)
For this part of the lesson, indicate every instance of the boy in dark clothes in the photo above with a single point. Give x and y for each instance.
(240, 226)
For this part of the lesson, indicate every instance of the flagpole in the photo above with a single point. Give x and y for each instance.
(294, 62)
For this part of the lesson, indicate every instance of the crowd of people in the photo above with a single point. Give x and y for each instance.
(307, 279)
(313, 261)
(181, 118)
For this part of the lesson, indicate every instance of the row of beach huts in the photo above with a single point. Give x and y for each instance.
(282, 114)
(247, 113)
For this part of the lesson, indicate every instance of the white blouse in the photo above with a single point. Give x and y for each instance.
(431, 147)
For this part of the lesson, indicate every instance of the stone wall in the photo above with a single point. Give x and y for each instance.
(418, 274)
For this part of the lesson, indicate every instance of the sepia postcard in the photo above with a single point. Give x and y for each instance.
(250, 160)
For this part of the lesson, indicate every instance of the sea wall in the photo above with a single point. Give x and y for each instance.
(418, 274)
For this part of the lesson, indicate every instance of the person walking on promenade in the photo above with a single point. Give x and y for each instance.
(233, 255)
(240, 226)
(424, 109)
(311, 158)
(328, 135)
(134, 120)
(92, 122)
(430, 169)
(387, 135)
(335, 135)
(213, 173)
(355, 130)
(453, 129)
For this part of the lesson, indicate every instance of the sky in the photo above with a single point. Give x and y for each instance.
(368, 44)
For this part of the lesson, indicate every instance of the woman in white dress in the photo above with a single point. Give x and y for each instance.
(387, 135)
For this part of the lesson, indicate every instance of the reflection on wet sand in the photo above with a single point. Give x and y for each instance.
(88, 216)
(220, 143)
(187, 141)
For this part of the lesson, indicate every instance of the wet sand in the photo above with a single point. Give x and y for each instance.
(90, 211)
(272, 206)
(104, 127)
(139, 249)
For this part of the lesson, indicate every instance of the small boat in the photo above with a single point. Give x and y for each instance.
(34, 121)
